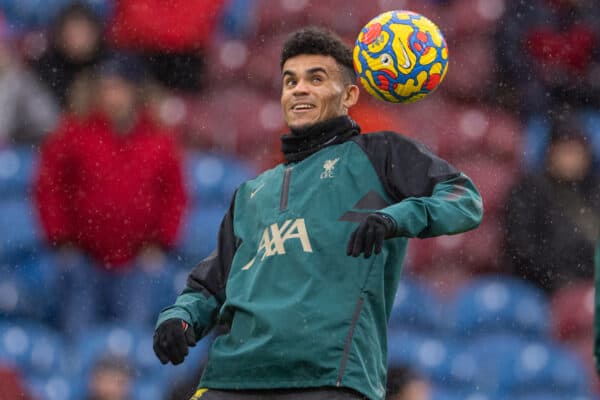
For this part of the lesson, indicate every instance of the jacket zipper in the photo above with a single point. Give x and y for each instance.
(285, 190)
(355, 316)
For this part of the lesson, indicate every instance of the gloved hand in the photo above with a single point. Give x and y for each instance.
(171, 340)
(369, 235)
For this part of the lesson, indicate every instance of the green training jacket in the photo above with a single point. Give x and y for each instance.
(301, 313)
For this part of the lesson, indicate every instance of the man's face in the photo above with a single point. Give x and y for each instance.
(79, 38)
(110, 385)
(569, 160)
(314, 90)
(116, 97)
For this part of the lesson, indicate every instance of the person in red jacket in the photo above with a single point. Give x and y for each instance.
(172, 35)
(111, 186)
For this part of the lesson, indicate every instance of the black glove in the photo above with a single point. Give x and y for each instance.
(171, 340)
(369, 235)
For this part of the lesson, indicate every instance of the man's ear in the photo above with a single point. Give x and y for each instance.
(351, 93)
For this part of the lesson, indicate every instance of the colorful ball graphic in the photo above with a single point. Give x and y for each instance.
(400, 56)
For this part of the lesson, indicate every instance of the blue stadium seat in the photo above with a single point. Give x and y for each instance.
(19, 229)
(511, 365)
(444, 361)
(179, 276)
(35, 349)
(131, 343)
(200, 231)
(536, 135)
(16, 171)
(35, 14)
(493, 353)
(590, 119)
(441, 393)
(460, 369)
(416, 308)
(134, 344)
(467, 393)
(148, 388)
(501, 304)
(212, 179)
(28, 287)
(553, 396)
(544, 367)
(56, 387)
(428, 354)
(16, 297)
(193, 365)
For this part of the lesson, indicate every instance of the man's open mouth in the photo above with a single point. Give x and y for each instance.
(303, 106)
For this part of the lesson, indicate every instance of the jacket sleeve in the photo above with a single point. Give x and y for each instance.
(53, 187)
(204, 294)
(431, 197)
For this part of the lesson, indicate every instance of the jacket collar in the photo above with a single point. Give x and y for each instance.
(305, 141)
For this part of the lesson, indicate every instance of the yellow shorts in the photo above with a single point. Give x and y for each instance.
(199, 393)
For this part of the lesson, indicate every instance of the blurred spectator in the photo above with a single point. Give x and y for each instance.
(553, 216)
(548, 50)
(405, 384)
(79, 96)
(27, 110)
(11, 385)
(111, 379)
(75, 44)
(110, 185)
(537, 132)
(172, 35)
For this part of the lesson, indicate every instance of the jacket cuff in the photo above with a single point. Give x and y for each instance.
(173, 313)
(391, 226)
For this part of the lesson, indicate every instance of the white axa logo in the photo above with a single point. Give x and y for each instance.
(274, 238)
(328, 167)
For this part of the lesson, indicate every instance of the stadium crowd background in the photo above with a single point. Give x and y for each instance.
(503, 312)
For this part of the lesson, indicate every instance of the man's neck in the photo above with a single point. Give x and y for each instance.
(306, 140)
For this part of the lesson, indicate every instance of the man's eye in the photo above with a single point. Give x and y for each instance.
(290, 82)
(317, 79)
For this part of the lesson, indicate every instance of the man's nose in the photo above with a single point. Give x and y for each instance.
(301, 88)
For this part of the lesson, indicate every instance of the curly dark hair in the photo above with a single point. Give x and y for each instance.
(320, 41)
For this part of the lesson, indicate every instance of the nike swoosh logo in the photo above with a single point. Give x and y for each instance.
(253, 193)
(407, 62)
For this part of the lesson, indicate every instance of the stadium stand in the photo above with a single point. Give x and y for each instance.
(417, 308)
(501, 305)
(460, 318)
